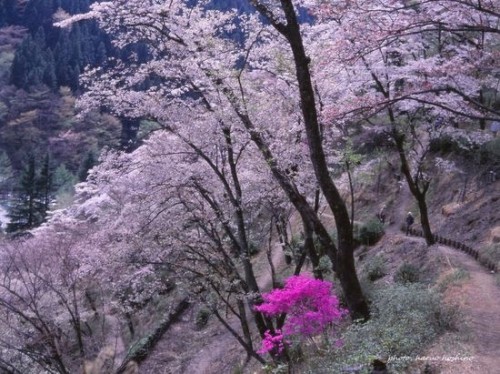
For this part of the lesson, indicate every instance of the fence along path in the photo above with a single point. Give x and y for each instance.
(474, 253)
(480, 307)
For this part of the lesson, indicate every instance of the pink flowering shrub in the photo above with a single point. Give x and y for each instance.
(309, 306)
(272, 343)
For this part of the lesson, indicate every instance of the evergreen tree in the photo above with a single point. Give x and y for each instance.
(6, 174)
(49, 74)
(44, 187)
(33, 63)
(32, 196)
(63, 181)
(62, 59)
(52, 56)
(23, 213)
(88, 163)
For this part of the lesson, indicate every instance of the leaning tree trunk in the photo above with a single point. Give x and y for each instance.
(344, 267)
(146, 346)
(345, 257)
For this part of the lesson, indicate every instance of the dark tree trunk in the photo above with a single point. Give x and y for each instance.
(310, 249)
(418, 192)
(344, 267)
(424, 219)
(345, 258)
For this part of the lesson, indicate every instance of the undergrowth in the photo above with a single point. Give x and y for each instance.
(405, 318)
(453, 278)
(490, 253)
(369, 233)
(407, 273)
(375, 268)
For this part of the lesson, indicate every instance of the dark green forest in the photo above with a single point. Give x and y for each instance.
(41, 135)
(44, 147)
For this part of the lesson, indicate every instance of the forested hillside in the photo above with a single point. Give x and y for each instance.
(39, 69)
(307, 170)
(39, 73)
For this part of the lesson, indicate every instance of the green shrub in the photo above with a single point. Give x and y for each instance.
(490, 253)
(325, 265)
(443, 145)
(407, 273)
(375, 269)
(296, 245)
(370, 232)
(202, 318)
(454, 277)
(490, 151)
(405, 318)
(253, 248)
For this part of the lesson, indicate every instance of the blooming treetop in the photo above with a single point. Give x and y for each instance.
(351, 62)
(438, 54)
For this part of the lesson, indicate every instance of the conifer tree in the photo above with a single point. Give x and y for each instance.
(88, 163)
(6, 173)
(32, 196)
(44, 187)
(23, 213)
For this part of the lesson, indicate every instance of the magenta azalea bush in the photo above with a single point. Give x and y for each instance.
(309, 306)
(273, 343)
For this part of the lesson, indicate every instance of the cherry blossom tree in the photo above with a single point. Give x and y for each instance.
(213, 191)
(43, 314)
(187, 204)
(194, 63)
(413, 68)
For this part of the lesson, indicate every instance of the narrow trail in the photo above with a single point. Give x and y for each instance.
(480, 304)
(399, 210)
(479, 298)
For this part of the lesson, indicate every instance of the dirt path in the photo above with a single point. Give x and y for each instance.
(479, 299)
(399, 210)
(480, 304)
